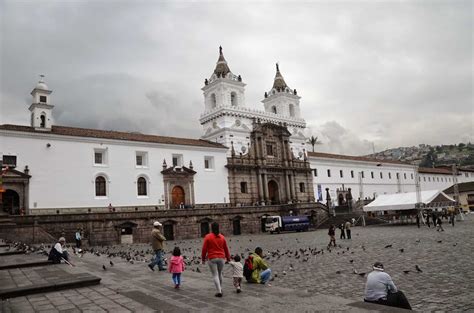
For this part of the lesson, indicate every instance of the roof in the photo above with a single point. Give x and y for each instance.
(115, 135)
(279, 83)
(353, 158)
(435, 170)
(222, 69)
(462, 187)
(406, 201)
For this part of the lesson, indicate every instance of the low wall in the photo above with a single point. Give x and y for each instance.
(107, 228)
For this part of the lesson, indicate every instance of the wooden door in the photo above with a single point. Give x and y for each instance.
(273, 193)
(177, 196)
(204, 228)
(236, 227)
(168, 231)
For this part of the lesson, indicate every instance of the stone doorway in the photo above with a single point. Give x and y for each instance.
(204, 228)
(273, 193)
(236, 230)
(177, 196)
(11, 202)
(168, 231)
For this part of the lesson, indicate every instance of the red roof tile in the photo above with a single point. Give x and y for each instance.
(116, 135)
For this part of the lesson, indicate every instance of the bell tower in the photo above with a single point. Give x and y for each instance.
(41, 107)
(281, 99)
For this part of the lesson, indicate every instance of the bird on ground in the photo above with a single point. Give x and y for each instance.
(389, 246)
(362, 274)
(401, 250)
(440, 241)
(111, 263)
(355, 271)
(406, 271)
(454, 245)
(338, 272)
(104, 268)
(351, 261)
(418, 269)
(198, 270)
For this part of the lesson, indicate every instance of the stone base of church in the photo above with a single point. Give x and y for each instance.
(126, 227)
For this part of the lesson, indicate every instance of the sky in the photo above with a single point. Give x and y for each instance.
(372, 75)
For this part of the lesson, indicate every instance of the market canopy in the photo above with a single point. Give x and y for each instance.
(407, 201)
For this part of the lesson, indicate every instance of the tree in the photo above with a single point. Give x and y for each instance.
(314, 141)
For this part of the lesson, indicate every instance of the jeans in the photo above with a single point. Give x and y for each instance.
(177, 278)
(216, 266)
(158, 260)
(265, 276)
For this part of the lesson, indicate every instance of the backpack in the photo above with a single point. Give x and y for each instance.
(248, 267)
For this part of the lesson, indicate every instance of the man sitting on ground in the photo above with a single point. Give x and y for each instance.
(380, 289)
(261, 273)
(58, 252)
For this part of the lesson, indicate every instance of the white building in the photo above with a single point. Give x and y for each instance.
(58, 167)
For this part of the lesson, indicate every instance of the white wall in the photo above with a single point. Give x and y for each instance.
(63, 174)
(432, 181)
(370, 186)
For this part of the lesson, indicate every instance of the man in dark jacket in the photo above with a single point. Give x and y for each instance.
(157, 243)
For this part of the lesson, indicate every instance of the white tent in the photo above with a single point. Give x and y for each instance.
(407, 201)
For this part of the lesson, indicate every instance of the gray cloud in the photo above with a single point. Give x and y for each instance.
(392, 73)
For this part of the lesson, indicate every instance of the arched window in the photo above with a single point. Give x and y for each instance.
(213, 100)
(100, 187)
(274, 109)
(43, 120)
(302, 189)
(292, 110)
(233, 99)
(141, 186)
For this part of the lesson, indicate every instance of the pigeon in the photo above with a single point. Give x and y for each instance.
(440, 241)
(104, 268)
(406, 272)
(454, 245)
(388, 246)
(354, 271)
(361, 274)
(338, 272)
(401, 250)
(418, 269)
(351, 261)
(111, 263)
(198, 270)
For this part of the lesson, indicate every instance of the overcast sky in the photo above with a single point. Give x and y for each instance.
(392, 73)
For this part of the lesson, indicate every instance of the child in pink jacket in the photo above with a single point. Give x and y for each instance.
(176, 266)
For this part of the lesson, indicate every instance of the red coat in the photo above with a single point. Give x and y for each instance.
(215, 247)
(176, 264)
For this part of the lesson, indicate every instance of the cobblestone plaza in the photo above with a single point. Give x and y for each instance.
(315, 279)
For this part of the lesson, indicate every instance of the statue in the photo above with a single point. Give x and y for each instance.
(266, 94)
(206, 82)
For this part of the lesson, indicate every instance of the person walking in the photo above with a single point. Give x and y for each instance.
(439, 224)
(78, 238)
(343, 232)
(237, 273)
(380, 289)
(332, 235)
(418, 220)
(428, 219)
(157, 243)
(452, 219)
(214, 249)
(348, 229)
(176, 267)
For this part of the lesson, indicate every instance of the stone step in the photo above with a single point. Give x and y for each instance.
(22, 265)
(74, 281)
(11, 253)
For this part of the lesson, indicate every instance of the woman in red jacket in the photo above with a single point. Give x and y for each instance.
(215, 249)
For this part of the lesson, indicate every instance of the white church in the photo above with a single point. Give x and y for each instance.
(54, 168)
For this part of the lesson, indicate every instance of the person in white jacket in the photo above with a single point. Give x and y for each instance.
(380, 289)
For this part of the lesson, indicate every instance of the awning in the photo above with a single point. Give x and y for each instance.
(407, 201)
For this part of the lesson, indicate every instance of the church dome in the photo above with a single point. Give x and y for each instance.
(279, 83)
(222, 69)
(41, 85)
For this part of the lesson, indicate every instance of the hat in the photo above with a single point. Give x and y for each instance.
(62, 239)
(156, 223)
(378, 266)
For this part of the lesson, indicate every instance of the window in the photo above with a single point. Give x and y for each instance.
(213, 101)
(100, 187)
(141, 186)
(292, 110)
(341, 174)
(274, 109)
(9, 160)
(466, 174)
(177, 160)
(405, 175)
(389, 175)
(315, 172)
(209, 162)
(411, 175)
(429, 179)
(302, 189)
(398, 175)
(141, 159)
(269, 149)
(233, 99)
(437, 178)
(362, 174)
(372, 174)
(381, 175)
(424, 178)
(243, 187)
(98, 157)
(43, 121)
(43, 99)
(329, 173)
(352, 174)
